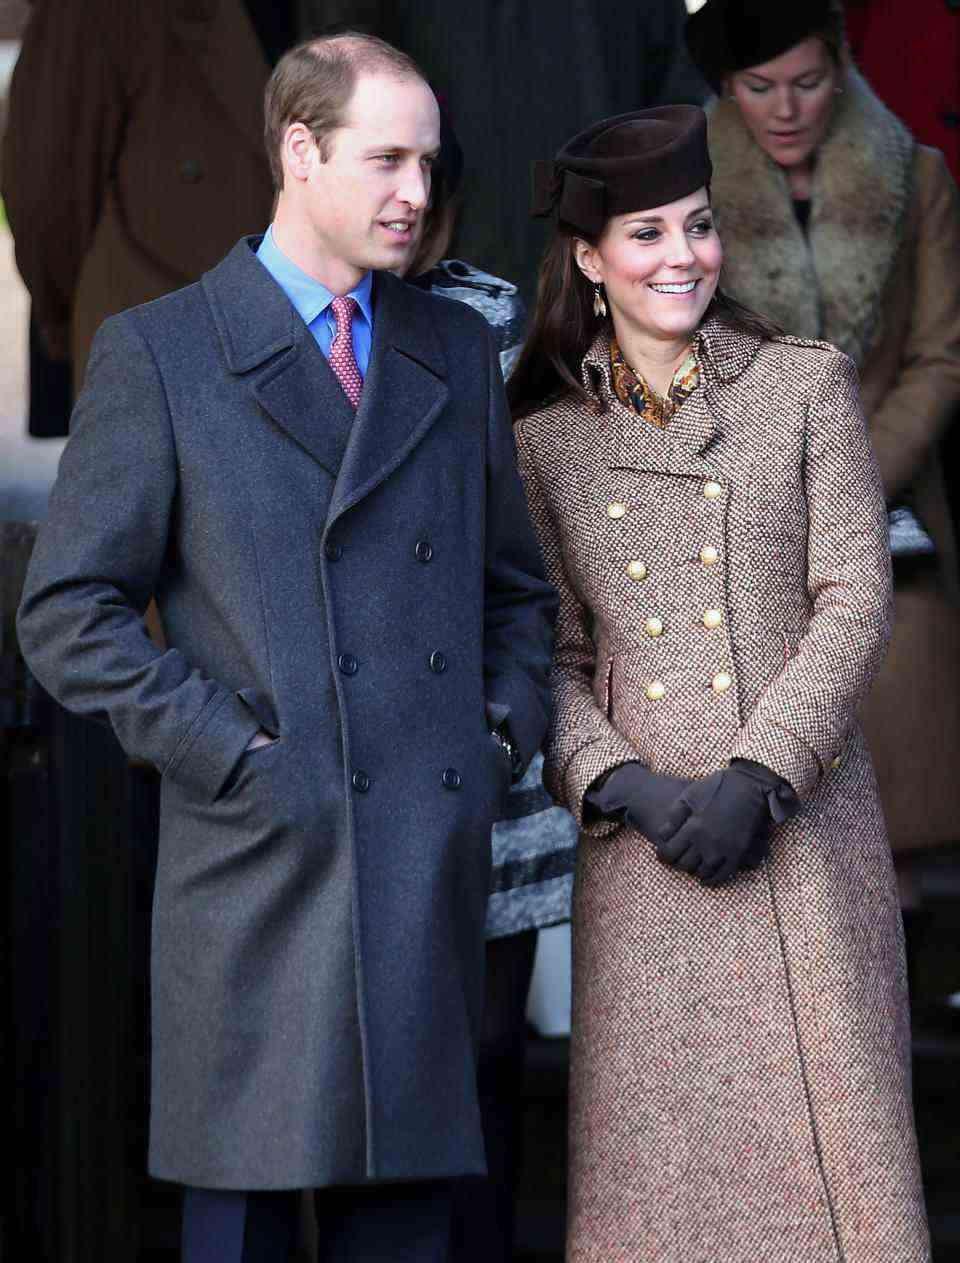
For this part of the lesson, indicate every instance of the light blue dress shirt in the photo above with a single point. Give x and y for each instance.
(312, 300)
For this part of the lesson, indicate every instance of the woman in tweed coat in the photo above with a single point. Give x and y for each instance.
(711, 513)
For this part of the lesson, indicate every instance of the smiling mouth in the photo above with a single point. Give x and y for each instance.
(399, 227)
(685, 287)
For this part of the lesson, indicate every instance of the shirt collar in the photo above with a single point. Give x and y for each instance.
(308, 296)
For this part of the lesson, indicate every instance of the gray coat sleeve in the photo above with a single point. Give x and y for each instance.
(97, 560)
(520, 604)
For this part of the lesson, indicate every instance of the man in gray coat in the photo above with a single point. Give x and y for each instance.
(309, 465)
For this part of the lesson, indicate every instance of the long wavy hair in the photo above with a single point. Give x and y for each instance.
(564, 326)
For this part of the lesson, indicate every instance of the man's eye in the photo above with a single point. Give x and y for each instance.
(388, 158)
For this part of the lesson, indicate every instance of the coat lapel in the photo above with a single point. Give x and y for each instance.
(633, 443)
(263, 336)
(220, 37)
(403, 394)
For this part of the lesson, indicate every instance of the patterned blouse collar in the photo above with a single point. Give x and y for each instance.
(637, 393)
(723, 353)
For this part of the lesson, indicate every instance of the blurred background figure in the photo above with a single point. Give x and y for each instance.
(133, 156)
(838, 225)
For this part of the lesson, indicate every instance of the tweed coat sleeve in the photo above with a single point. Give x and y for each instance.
(582, 743)
(519, 603)
(800, 721)
(916, 412)
(65, 118)
(93, 571)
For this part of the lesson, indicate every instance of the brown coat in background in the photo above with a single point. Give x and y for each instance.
(740, 1075)
(880, 278)
(133, 157)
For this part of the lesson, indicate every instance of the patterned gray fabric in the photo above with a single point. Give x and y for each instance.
(535, 846)
(740, 1058)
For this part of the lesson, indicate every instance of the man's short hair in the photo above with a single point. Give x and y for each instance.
(313, 83)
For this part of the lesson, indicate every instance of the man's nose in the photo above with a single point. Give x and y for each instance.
(415, 189)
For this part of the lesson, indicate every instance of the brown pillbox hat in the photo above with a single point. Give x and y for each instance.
(632, 162)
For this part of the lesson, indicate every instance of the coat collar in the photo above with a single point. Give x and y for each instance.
(831, 286)
(220, 37)
(405, 388)
(724, 354)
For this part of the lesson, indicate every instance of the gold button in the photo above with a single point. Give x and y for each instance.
(837, 762)
(721, 682)
(712, 490)
(655, 691)
(654, 626)
(712, 618)
(709, 555)
(637, 570)
(616, 509)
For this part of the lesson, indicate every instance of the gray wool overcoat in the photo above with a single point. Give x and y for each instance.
(368, 590)
(740, 1057)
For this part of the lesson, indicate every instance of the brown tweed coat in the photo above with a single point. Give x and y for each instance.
(740, 1080)
(879, 276)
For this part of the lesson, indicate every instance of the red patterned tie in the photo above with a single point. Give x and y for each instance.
(342, 359)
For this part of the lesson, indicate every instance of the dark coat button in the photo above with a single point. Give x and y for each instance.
(451, 778)
(438, 662)
(334, 551)
(361, 782)
(424, 550)
(191, 171)
(348, 664)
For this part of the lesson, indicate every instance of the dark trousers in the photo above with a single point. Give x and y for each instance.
(484, 1209)
(377, 1223)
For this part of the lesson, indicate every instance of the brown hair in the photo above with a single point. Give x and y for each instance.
(439, 223)
(564, 326)
(313, 83)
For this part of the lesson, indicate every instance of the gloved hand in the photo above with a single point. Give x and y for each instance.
(722, 823)
(634, 794)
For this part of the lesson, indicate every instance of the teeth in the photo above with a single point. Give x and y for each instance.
(674, 289)
(398, 226)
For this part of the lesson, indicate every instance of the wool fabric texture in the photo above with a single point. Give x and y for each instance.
(631, 162)
(740, 1057)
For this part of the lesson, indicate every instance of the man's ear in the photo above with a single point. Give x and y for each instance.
(298, 151)
(586, 259)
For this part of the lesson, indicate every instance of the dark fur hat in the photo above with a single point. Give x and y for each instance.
(728, 35)
(632, 162)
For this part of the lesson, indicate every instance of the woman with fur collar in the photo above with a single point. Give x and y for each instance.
(837, 225)
(711, 514)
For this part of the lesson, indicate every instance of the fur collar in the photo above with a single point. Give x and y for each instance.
(832, 286)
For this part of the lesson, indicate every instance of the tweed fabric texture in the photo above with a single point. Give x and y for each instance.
(740, 1077)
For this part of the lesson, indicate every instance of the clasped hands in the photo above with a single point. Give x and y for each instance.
(712, 827)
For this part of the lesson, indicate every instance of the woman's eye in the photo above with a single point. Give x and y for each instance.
(810, 87)
(757, 91)
(646, 234)
(701, 227)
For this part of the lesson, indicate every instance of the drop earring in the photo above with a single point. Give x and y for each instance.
(599, 306)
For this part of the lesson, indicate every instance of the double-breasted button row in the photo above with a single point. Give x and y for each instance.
(438, 662)
(423, 551)
(450, 778)
(333, 550)
(348, 664)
